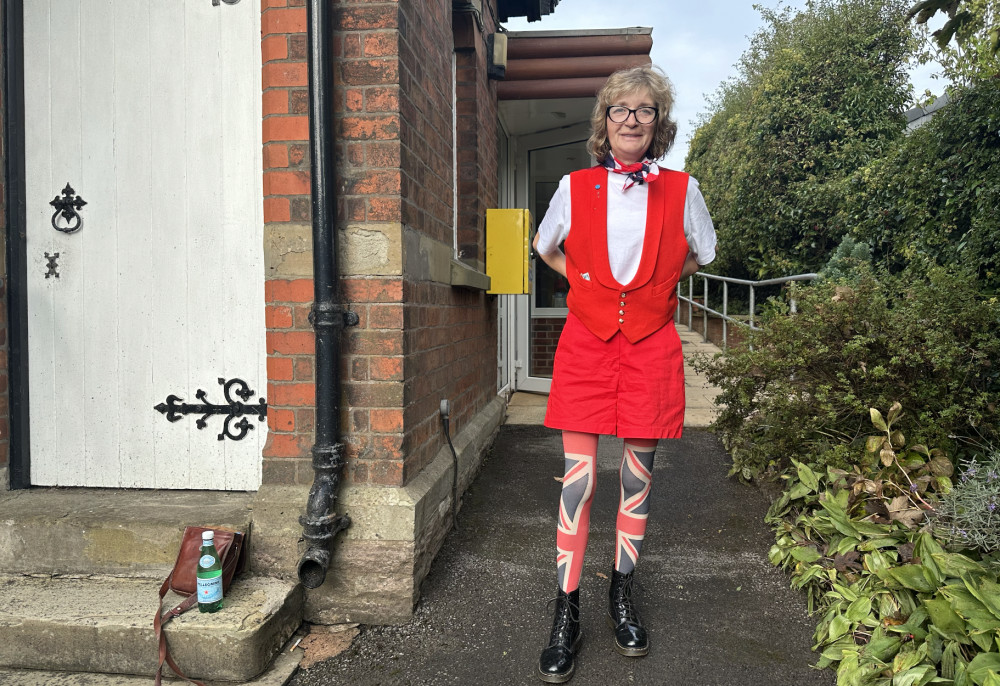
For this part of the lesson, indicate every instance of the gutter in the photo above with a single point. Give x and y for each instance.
(320, 524)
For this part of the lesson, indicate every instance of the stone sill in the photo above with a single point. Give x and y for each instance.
(464, 276)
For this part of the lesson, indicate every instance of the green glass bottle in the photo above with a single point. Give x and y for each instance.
(209, 575)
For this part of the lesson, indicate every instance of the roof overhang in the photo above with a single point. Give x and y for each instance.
(531, 9)
(553, 76)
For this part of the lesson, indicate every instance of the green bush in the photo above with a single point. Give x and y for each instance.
(802, 386)
(934, 199)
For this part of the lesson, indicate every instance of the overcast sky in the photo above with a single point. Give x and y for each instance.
(696, 43)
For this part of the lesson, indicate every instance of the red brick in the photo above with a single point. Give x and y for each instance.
(286, 183)
(383, 209)
(303, 369)
(280, 420)
(385, 368)
(367, 19)
(300, 317)
(383, 154)
(385, 317)
(386, 421)
(375, 182)
(286, 445)
(386, 473)
(305, 420)
(266, 4)
(284, 74)
(280, 368)
(275, 101)
(275, 155)
(288, 291)
(291, 342)
(282, 21)
(278, 317)
(291, 394)
(354, 100)
(274, 47)
(369, 72)
(381, 44)
(385, 127)
(276, 210)
(285, 129)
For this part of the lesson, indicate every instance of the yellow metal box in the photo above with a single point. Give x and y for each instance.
(508, 251)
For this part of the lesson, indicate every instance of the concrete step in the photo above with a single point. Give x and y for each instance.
(278, 674)
(105, 624)
(107, 531)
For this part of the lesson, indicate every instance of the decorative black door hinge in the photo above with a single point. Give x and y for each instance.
(68, 207)
(174, 409)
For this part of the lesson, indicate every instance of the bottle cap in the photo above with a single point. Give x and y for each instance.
(208, 535)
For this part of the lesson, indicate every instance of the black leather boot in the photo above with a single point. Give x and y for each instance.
(556, 663)
(630, 636)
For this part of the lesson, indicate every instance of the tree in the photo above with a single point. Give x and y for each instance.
(819, 94)
(968, 44)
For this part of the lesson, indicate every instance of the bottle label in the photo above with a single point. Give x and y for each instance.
(206, 561)
(210, 590)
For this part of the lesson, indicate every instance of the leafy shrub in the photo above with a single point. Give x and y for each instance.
(969, 516)
(896, 608)
(802, 386)
(933, 200)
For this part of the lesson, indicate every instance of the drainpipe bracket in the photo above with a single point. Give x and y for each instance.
(326, 315)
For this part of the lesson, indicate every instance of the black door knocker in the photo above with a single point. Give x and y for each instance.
(68, 207)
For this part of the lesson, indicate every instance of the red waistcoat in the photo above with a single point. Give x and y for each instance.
(605, 306)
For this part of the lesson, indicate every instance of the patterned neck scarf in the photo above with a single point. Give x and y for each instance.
(642, 172)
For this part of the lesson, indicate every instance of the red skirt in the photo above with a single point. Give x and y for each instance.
(630, 390)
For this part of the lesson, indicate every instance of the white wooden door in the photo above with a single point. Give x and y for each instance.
(151, 112)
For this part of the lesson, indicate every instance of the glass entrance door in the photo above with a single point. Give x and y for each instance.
(544, 158)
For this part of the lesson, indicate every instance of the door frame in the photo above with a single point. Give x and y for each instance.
(523, 305)
(19, 449)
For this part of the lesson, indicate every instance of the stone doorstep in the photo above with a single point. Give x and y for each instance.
(105, 625)
(278, 674)
(107, 531)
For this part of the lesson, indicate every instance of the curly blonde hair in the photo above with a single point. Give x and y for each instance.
(624, 82)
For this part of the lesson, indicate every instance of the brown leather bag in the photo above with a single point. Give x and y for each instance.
(183, 579)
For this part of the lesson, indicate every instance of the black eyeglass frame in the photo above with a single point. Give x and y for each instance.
(632, 113)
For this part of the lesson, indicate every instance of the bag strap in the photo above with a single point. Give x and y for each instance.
(161, 638)
(233, 563)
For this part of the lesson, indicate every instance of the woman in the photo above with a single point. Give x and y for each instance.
(631, 230)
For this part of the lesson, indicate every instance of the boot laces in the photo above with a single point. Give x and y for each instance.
(562, 624)
(623, 603)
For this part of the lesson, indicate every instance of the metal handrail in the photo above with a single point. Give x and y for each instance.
(724, 315)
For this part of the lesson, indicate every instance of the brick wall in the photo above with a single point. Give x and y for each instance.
(451, 332)
(544, 339)
(287, 206)
(418, 340)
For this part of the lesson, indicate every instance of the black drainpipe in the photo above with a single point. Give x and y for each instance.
(320, 524)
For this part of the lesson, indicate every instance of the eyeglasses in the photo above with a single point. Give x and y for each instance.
(643, 115)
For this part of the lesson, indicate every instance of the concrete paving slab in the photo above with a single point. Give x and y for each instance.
(718, 613)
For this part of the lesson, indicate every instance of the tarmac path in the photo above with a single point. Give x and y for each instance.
(717, 612)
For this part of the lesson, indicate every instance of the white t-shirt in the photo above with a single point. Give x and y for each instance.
(627, 224)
